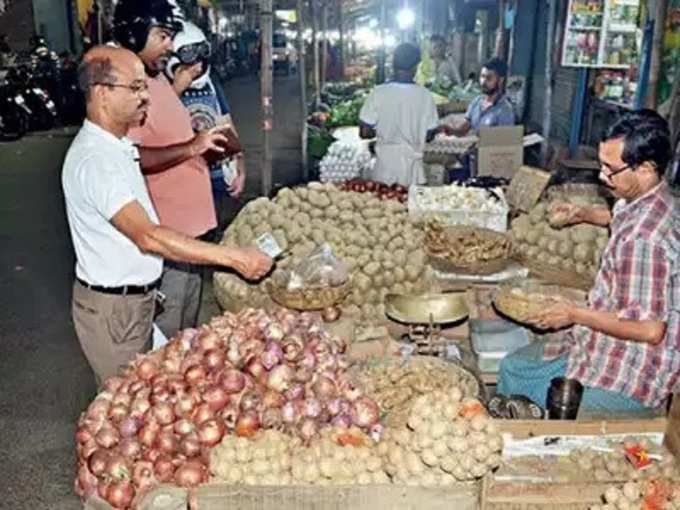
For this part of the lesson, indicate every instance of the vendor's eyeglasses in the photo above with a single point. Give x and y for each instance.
(611, 172)
(136, 88)
(193, 53)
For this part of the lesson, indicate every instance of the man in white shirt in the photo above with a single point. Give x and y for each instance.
(402, 116)
(118, 242)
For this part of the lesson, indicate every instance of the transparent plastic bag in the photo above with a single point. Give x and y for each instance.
(321, 268)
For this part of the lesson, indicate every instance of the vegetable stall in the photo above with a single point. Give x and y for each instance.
(353, 375)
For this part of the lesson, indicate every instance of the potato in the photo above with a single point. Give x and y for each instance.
(583, 252)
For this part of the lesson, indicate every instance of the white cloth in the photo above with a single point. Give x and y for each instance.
(101, 175)
(401, 114)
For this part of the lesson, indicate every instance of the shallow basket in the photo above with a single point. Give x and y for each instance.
(310, 298)
(455, 265)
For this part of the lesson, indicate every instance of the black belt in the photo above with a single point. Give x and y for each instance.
(125, 290)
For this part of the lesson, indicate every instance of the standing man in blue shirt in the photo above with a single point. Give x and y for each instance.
(493, 108)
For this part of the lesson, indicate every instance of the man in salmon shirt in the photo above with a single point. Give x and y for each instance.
(171, 154)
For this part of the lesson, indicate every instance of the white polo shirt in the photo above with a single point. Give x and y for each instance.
(101, 175)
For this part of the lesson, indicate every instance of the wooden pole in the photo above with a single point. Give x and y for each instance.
(657, 52)
(341, 30)
(302, 72)
(315, 44)
(547, 105)
(266, 91)
(324, 43)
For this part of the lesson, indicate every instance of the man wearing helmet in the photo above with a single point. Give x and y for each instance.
(176, 174)
(208, 108)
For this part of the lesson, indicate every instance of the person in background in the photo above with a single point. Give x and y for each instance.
(402, 116)
(492, 108)
(208, 108)
(118, 242)
(624, 347)
(176, 172)
(440, 68)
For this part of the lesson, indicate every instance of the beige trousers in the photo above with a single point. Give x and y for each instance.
(112, 329)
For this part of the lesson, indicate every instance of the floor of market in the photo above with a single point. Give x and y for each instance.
(45, 380)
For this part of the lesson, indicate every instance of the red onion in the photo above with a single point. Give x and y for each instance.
(103, 489)
(208, 339)
(247, 424)
(130, 447)
(330, 314)
(172, 364)
(99, 408)
(342, 420)
(113, 384)
(351, 392)
(229, 415)
(117, 413)
(139, 407)
(308, 429)
(117, 467)
(250, 401)
(365, 412)
(274, 332)
(304, 375)
(312, 408)
(176, 385)
(280, 378)
(151, 454)
(88, 449)
(376, 432)
(128, 427)
(271, 418)
(324, 388)
(107, 437)
(288, 413)
(271, 356)
(234, 355)
(295, 392)
(195, 375)
(292, 346)
(214, 359)
(146, 369)
(190, 474)
(190, 446)
(185, 405)
(164, 413)
(97, 461)
(160, 394)
(333, 406)
(136, 387)
(147, 434)
(163, 468)
(233, 381)
(255, 368)
(210, 432)
(216, 397)
(142, 476)
(183, 427)
(167, 443)
(122, 399)
(273, 399)
(202, 414)
(87, 481)
(308, 360)
(84, 434)
(120, 494)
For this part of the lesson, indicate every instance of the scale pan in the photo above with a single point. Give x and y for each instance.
(427, 309)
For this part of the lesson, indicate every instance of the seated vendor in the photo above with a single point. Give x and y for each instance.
(624, 347)
(492, 108)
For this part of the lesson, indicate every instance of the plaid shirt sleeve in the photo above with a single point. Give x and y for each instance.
(642, 281)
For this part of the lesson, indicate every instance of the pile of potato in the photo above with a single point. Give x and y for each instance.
(374, 237)
(274, 458)
(447, 439)
(658, 494)
(575, 248)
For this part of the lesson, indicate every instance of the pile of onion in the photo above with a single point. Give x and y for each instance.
(379, 189)
(158, 422)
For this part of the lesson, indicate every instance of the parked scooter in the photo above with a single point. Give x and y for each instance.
(14, 114)
(43, 111)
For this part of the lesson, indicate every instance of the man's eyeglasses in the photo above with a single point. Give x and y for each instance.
(136, 88)
(611, 172)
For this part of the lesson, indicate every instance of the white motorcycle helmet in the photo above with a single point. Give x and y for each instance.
(190, 47)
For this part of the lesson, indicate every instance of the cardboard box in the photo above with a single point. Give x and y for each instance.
(526, 188)
(501, 151)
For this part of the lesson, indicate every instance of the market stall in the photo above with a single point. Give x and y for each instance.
(360, 371)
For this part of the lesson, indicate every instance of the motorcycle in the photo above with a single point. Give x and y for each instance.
(14, 113)
(43, 114)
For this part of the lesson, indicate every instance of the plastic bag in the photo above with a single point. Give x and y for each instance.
(321, 268)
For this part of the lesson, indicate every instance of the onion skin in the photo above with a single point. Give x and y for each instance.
(183, 427)
(211, 432)
(83, 434)
(130, 447)
(195, 374)
(191, 474)
(120, 494)
(107, 437)
(190, 446)
(97, 461)
(216, 397)
(146, 369)
(164, 413)
(128, 427)
(147, 434)
(233, 381)
(214, 359)
(202, 414)
(117, 467)
(167, 443)
(280, 378)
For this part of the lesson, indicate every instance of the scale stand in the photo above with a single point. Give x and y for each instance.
(426, 338)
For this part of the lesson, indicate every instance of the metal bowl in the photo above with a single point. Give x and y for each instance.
(427, 309)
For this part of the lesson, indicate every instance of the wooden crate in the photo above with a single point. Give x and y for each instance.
(507, 495)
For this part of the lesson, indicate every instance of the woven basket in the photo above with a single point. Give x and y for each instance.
(460, 265)
(310, 298)
(556, 276)
(520, 307)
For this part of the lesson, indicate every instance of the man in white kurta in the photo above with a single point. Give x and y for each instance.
(401, 115)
